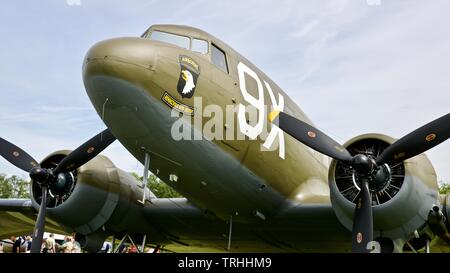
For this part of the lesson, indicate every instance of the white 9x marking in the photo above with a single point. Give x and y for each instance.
(254, 131)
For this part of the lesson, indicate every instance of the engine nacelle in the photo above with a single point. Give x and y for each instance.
(401, 198)
(92, 242)
(92, 200)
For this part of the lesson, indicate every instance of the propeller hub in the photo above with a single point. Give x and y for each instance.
(363, 165)
(41, 176)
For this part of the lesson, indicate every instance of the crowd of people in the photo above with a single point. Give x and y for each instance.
(69, 245)
(22, 244)
(18, 244)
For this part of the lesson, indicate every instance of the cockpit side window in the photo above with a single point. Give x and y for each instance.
(174, 39)
(218, 58)
(200, 46)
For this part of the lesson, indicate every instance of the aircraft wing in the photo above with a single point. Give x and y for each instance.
(17, 217)
(300, 228)
(179, 226)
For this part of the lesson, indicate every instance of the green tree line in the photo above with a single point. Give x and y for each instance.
(159, 188)
(444, 188)
(14, 187)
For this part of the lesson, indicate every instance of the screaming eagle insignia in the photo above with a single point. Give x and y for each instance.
(187, 82)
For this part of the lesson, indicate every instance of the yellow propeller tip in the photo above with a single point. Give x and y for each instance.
(273, 115)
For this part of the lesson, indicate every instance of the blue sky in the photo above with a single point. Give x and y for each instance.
(352, 67)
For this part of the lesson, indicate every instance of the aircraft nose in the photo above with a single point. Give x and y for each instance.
(120, 58)
(115, 71)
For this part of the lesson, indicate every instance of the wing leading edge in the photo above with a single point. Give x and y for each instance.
(17, 217)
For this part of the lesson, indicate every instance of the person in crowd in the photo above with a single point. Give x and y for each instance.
(51, 244)
(28, 241)
(16, 244)
(67, 246)
(44, 248)
(122, 248)
(76, 246)
(132, 249)
(1, 247)
(106, 248)
(153, 250)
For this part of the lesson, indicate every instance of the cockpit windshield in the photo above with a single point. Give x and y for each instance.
(196, 45)
(178, 40)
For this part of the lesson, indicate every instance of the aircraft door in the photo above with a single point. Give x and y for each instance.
(224, 82)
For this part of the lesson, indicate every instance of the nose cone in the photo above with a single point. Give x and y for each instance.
(120, 58)
(128, 49)
(112, 67)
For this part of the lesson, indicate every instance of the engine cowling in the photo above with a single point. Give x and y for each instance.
(402, 194)
(93, 201)
(89, 195)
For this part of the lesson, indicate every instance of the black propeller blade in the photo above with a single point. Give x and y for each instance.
(364, 166)
(417, 142)
(45, 177)
(310, 136)
(17, 156)
(38, 232)
(362, 232)
(85, 152)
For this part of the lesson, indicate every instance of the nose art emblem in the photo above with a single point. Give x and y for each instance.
(190, 70)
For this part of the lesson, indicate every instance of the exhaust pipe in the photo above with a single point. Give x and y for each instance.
(436, 221)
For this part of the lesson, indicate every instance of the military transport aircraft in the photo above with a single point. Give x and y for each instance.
(266, 192)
